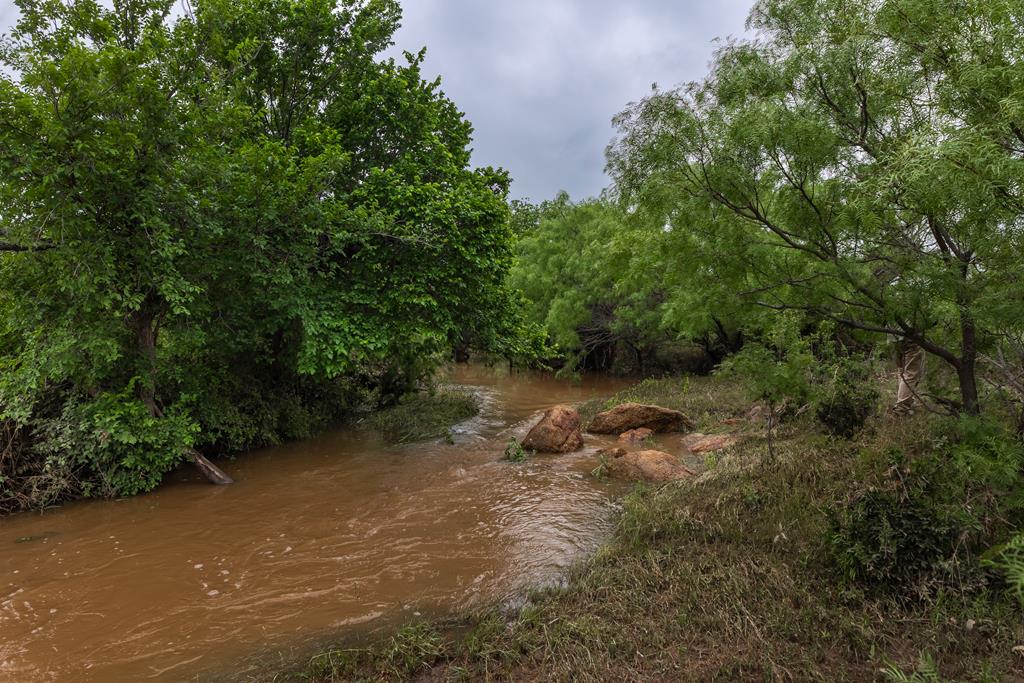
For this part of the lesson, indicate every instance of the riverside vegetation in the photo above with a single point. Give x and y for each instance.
(830, 558)
(224, 230)
(235, 227)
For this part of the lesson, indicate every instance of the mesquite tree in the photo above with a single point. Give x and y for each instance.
(862, 160)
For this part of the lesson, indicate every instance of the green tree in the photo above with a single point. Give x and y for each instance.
(861, 161)
(599, 279)
(225, 219)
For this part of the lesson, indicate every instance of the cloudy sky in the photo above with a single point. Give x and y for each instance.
(541, 79)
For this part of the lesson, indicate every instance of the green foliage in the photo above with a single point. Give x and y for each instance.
(927, 671)
(242, 216)
(929, 518)
(608, 289)
(423, 415)
(789, 363)
(1009, 560)
(777, 368)
(603, 467)
(856, 161)
(845, 390)
(115, 437)
(514, 451)
(847, 397)
(891, 536)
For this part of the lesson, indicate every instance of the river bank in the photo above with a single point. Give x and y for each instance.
(734, 575)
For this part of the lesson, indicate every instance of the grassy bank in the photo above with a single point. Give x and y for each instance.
(783, 567)
(422, 416)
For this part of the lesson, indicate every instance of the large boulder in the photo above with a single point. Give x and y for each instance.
(651, 466)
(557, 432)
(627, 416)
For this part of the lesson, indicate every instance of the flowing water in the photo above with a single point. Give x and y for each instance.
(315, 540)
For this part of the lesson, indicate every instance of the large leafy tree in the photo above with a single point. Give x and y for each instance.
(200, 212)
(859, 160)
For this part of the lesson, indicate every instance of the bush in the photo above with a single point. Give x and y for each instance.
(118, 445)
(847, 398)
(890, 537)
(929, 518)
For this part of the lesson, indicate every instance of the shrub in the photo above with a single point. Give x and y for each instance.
(122, 449)
(846, 398)
(928, 517)
(891, 536)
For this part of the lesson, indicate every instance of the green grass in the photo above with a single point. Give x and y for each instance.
(723, 577)
(423, 416)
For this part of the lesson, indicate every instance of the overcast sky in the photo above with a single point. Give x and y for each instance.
(542, 79)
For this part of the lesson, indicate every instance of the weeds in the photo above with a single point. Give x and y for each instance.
(423, 416)
(514, 451)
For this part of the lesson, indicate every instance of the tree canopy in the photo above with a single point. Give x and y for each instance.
(607, 285)
(859, 161)
(217, 228)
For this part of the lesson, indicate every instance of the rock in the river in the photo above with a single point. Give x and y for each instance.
(704, 443)
(557, 432)
(635, 435)
(652, 466)
(627, 416)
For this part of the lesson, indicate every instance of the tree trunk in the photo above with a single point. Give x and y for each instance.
(146, 336)
(966, 372)
(969, 389)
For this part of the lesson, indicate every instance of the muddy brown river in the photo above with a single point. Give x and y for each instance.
(315, 541)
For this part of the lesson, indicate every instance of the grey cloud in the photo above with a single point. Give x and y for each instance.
(542, 79)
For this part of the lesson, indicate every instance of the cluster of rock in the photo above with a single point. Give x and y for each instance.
(560, 430)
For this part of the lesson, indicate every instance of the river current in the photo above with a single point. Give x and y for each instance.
(316, 540)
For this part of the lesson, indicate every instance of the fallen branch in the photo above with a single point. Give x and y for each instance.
(213, 473)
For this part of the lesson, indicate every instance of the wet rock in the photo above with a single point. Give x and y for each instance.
(636, 435)
(698, 444)
(627, 416)
(557, 432)
(651, 466)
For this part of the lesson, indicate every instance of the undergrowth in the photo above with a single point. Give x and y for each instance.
(422, 416)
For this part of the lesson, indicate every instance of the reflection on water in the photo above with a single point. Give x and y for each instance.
(314, 538)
